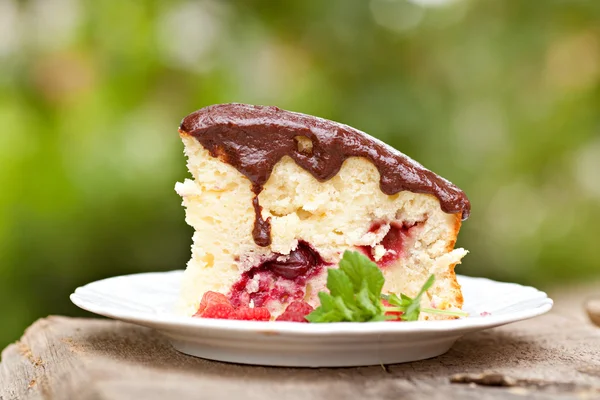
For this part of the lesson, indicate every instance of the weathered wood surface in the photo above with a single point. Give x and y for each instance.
(555, 356)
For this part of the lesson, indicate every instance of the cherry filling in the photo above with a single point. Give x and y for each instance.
(281, 278)
(297, 264)
(393, 242)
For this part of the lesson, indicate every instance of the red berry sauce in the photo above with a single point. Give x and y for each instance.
(393, 242)
(280, 278)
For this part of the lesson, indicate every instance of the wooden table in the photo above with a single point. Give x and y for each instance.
(555, 356)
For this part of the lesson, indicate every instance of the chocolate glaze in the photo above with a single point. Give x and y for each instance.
(254, 138)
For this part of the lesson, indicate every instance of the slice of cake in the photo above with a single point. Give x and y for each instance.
(277, 197)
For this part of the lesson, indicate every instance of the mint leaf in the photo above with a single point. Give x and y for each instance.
(323, 316)
(410, 308)
(345, 311)
(414, 308)
(365, 301)
(412, 312)
(339, 284)
(377, 318)
(397, 301)
(426, 286)
(354, 292)
(355, 295)
(326, 300)
(317, 315)
(359, 268)
(326, 312)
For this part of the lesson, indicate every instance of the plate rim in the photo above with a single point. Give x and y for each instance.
(175, 322)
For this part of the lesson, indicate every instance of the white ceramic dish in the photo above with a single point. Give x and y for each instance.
(147, 299)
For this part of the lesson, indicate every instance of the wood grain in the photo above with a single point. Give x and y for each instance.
(555, 356)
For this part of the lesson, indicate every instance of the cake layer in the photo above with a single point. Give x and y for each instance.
(311, 223)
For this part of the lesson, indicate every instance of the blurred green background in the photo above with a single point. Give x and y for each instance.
(500, 97)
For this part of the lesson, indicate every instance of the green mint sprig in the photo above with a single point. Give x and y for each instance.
(354, 292)
(411, 308)
(355, 295)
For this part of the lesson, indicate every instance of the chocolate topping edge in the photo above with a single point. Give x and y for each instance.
(254, 138)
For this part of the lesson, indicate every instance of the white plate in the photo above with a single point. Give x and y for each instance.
(148, 299)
